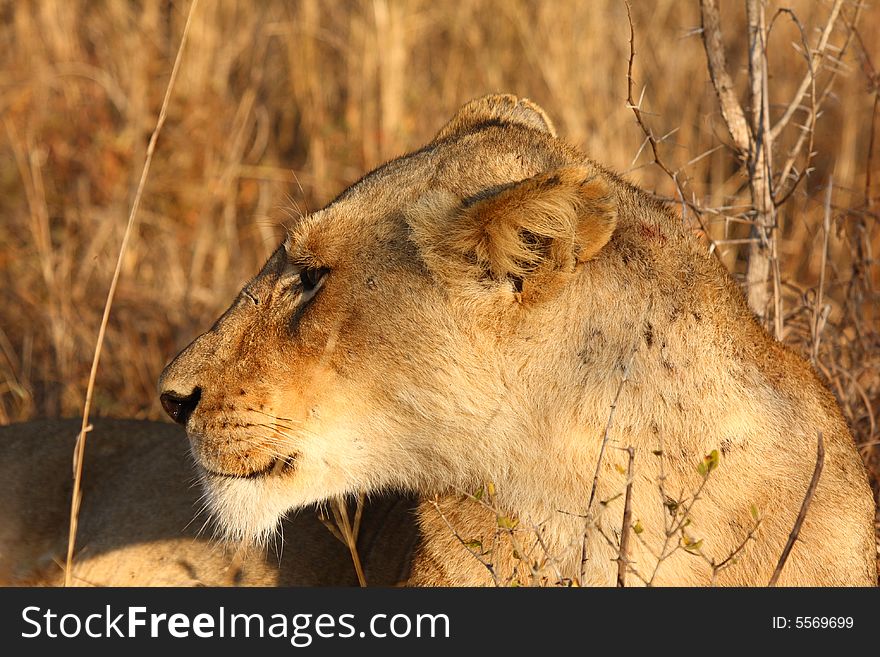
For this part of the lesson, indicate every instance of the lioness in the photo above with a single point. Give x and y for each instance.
(460, 323)
(138, 522)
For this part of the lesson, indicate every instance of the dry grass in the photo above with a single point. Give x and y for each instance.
(280, 104)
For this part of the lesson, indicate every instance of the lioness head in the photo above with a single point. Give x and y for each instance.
(398, 328)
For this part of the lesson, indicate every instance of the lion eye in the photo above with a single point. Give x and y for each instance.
(311, 277)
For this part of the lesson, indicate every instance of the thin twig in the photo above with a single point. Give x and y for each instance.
(79, 450)
(873, 80)
(553, 561)
(358, 515)
(808, 498)
(818, 315)
(605, 439)
(675, 525)
(816, 103)
(869, 199)
(623, 553)
(632, 569)
(809, 78)
(808, 131)
(465, 544)
(492, 506)
(652, 140)
(607, 435)
(636, 107)
(350, 540)
(331, 527)
(729, 560)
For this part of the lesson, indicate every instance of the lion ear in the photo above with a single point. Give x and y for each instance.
(497, 109)
(531, 231)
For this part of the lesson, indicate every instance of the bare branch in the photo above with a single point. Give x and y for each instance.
(492, 506)
(676, 524)
(816, 102)
(760, 167)
(730, 559)
(637, 107)
(652, 140)
(623, 553)
(809, 79)
(605, 438)
(808, 131)
(632, 569)
(808, 498)
(869, 200)
(731, 110)
(550, 558)
(819, 316)
(607, 435)
(466, 544)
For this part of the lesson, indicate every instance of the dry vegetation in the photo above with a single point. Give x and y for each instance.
(280, 104)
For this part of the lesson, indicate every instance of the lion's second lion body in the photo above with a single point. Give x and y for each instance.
(466, 314)
(138, 522)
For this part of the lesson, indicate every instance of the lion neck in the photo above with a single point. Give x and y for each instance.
(624, 378)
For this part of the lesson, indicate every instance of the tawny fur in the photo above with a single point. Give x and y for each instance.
(485, 296)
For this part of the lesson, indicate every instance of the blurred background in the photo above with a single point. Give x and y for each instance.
(280, 104)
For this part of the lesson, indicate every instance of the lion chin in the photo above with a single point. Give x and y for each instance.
(248, 509)
(242, 511)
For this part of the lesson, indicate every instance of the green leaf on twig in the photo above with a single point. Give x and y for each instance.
(690, 544)
(709, 463)
(507, 523)
(610, 499)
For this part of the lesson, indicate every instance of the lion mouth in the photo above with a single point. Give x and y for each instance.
(278, 467)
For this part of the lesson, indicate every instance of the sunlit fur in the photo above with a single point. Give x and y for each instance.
(486, 295)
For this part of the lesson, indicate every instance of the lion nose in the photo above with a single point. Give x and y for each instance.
(178, 406)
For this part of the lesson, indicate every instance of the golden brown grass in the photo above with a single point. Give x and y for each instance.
(280, 104)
